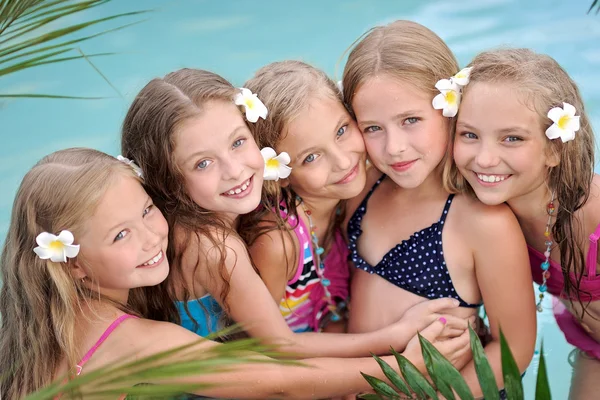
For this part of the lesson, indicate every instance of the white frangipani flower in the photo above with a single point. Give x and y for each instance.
(133, 165)
(566, 123)
(254, 107)
(462, 77)
(56, 248)
(449, 98)
(275, 165)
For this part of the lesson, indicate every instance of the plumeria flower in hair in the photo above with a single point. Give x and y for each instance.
(566, 123)
(133, 165)
(56, 248)
(462, 77)
(448, 99)
(275, 165)
(254, 107)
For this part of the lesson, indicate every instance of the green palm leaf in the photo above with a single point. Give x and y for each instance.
(542, 387)
(28, 40)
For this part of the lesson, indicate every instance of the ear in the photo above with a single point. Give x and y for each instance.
(284, 182)
(552, 156)
(77, 270)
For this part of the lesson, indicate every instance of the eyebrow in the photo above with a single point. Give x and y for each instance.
(115, 227)
(199, 153)
(335, 129)
(504, 131)
(399, 116)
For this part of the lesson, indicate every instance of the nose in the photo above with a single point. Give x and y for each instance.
(395, 142)
(232, 169)
(152, 236)
(487, 156)
(342, 159)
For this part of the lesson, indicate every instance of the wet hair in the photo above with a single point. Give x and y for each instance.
(543, 84)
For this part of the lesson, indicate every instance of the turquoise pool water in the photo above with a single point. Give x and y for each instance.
(235, 37)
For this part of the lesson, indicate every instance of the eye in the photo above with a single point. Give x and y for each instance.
(203, 164)
(468, 135)
(121, 235)
(410, 121)
(310, 158)
(148, 210)
(342, 130)
(370, 129)
(238, 143)
(513, 139)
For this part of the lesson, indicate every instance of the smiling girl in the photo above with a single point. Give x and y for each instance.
(204, 169)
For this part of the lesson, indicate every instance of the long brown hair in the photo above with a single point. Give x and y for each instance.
(544, 84)
(286, 88)
(158, 110)
(40, 299)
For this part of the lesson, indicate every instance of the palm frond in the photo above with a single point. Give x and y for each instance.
(32, 34)
(596, 5)
(172, 369)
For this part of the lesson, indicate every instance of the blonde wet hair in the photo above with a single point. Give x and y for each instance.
(541, 84)
(40, 299)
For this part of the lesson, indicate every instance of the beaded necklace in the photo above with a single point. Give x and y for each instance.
(318, 252)
(546, 264)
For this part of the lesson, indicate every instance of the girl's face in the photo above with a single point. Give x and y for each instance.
(500, 147)
(405, 137)
(327, 152)
(124, 243)
(221, 164)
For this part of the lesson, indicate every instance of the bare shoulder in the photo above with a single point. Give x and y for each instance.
(480, 221)
(273, 249)
(373, 174)
(146, 337)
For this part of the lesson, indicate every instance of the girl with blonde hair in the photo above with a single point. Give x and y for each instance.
(204, 169)
(68, 305)
(410, 239)
(523, 137)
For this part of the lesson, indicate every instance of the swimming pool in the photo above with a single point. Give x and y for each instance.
(234, 38)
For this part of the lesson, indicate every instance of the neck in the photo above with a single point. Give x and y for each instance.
(320, 208)
(531, 207)
(230, 219)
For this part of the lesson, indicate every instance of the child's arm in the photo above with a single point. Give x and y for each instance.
(318, 378)
(504, 279)
(251, 305)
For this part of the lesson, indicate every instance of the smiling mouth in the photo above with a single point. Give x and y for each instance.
(157, 258)
(239, 189)
(350, 175)
(489, 178)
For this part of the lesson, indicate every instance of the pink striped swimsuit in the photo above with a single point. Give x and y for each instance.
(590, 291)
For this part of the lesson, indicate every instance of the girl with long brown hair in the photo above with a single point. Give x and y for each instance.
(523, 137)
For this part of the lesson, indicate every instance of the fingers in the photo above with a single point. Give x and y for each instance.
(456, 322)
(433, 330)
(438, 305)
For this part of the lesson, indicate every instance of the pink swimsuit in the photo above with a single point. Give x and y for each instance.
(104, 336)
(590, 291)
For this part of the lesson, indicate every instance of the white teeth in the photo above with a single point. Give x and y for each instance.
(154, 259)
(491, 178)
(240, 189)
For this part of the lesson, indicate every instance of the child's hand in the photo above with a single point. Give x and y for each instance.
(457, 350)
(423, 314)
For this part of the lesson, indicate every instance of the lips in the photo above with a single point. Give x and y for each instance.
(403, 166)
(157, 259)
(349, 176)
(240, 190)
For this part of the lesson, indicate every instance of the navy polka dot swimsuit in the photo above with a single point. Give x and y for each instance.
(417, 264)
